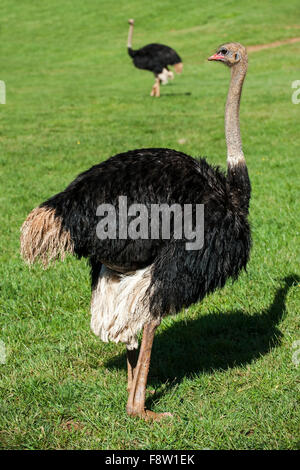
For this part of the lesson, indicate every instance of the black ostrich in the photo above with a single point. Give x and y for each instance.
(156, 58)
(137, 281)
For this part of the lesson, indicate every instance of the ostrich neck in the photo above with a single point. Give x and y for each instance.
(235, 154)
(237, 174)
(129, 42)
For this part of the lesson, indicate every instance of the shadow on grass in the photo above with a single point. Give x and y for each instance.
(168, 95)
(214, 342)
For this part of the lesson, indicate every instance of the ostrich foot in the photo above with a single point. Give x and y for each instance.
(148, 415)
(152, 416)
(155, 91)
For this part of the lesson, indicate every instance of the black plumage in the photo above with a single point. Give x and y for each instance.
(158, 176)
(154, 57)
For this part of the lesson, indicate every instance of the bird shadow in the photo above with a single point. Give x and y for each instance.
(213, 342)
(170, 95)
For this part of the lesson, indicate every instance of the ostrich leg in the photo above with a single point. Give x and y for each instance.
(131, 365)
(137, 394)
(156, 88)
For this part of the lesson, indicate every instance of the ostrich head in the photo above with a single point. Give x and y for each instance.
(131, 21)
(230, 54)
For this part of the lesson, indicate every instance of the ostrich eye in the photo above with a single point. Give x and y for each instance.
(224, 51)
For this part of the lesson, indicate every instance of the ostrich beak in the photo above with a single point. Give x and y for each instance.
(216, 57)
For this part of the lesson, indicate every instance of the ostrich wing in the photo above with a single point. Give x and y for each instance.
(146, 176)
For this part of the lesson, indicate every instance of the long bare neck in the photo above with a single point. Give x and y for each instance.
(130, 33)
(235, 154)
(237, 174)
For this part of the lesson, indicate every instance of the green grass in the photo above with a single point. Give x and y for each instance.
(223, 367)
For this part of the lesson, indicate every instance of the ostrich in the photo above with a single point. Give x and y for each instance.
(137, 281)
(156, 58)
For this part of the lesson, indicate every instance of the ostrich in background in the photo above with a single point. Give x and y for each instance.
(156, 58)
(136, 282)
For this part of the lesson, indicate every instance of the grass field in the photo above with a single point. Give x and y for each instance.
(223, 367)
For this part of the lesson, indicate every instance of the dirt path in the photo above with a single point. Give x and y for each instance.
(255, 48)
(259, 47)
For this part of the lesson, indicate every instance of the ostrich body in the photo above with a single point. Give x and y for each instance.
(136, 282)
(156, 58)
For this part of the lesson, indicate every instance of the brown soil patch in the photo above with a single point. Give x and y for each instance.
(259, 47)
